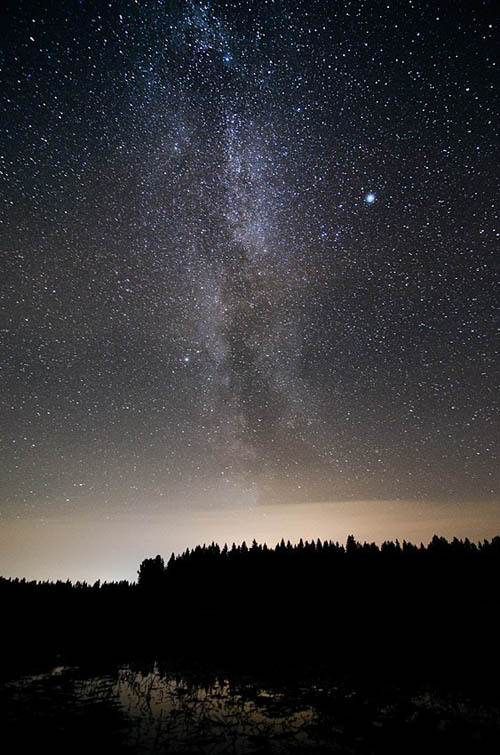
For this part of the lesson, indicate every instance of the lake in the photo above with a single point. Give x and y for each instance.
(154, 709)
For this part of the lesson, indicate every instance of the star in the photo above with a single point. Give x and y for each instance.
(192, 275)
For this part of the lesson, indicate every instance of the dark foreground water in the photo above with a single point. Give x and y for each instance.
(153, 710)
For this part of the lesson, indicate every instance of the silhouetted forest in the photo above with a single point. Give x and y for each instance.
(398, 608)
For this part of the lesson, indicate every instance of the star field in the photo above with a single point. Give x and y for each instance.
(249, 253)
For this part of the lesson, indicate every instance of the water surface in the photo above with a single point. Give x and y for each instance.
(153, 710)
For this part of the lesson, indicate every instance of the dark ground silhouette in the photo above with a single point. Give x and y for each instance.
(395, 610)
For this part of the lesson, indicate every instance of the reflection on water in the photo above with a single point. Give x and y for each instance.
(150, 711)
(216, 716)
(140, 710)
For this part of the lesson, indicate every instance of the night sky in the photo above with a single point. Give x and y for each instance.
(249, 258)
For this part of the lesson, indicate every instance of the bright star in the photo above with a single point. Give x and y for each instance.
(370, 198)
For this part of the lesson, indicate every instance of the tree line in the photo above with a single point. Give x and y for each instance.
(154, 573)
(395, 605)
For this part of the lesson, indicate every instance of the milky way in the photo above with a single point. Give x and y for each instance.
(249, 253)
